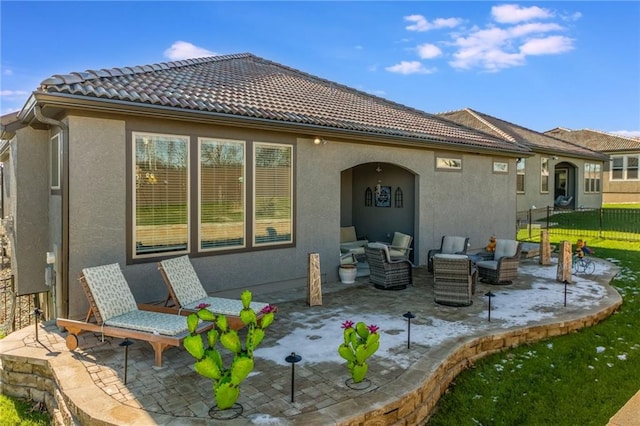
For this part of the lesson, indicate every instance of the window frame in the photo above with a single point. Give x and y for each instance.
(456, 165)
(500, 167)
(544, 178)
(134, 182)
(624, 168)
(55, 161)
(521, 171)
(592, 185)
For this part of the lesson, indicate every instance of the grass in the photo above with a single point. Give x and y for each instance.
(18, 412)
(582, 378)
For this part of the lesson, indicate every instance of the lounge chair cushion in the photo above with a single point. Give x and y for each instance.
(224, 306)
(150, 322)
(384, 247)
(184, 280)
(452, 245)
(112, 295)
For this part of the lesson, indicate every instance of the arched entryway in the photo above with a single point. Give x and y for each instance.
(565, 185)
(379, 199)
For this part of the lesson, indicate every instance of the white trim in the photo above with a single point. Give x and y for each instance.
(58, 160)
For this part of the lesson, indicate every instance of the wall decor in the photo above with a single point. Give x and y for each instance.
(368, 197)
(398, 198)
(383, 196)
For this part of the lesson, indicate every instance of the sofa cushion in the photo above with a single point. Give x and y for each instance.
(453, 245)
(505, 248)
(348, 234)
(488, 264)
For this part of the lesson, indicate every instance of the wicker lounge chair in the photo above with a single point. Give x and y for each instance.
(115, 313)
(400, 246)
(503, 268)
(186, 293)
(454, 279)
(449, 245)
(387, 273)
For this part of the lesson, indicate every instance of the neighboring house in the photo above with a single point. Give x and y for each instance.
(245, 165)
(557, 168)
(621, 183)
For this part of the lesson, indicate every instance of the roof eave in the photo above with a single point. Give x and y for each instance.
(66, 101)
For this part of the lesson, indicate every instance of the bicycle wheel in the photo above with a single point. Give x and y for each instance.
(589, 266)
(576, 265)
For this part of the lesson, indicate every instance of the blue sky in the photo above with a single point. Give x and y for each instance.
(537, 64)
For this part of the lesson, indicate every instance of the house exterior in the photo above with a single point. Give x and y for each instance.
(621, 181)
(246, 165)
(557, 167)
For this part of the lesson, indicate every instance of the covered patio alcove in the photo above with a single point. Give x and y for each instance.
(565, 183)
(379, 199)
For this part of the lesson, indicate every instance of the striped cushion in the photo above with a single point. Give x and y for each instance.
(151, 322)
(110, 290)
(184, 280)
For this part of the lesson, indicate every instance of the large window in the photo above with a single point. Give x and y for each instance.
(222, 194)
(273, 196)
(161, 196)
(592, 177)
(520, 167)
(166, 220)
(55, 162)
(544, 174)
(624, 167)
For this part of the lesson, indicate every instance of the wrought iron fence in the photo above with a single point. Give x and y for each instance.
(611, 223)
(15, 311)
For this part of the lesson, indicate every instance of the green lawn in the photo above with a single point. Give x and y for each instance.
(17, 412)
(578, 379)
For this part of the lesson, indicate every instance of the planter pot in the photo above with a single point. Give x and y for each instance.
(347, 273)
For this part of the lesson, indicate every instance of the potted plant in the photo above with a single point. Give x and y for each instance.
(209, 363)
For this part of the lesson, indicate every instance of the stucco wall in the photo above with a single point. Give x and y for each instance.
(473, 202)
(30, 209)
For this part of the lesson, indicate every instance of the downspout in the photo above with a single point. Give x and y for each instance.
(61, 298)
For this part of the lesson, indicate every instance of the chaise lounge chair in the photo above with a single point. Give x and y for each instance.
(116, 314)
(186, 293)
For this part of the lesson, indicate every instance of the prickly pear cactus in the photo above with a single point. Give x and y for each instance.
(226, 380)
(359, 344)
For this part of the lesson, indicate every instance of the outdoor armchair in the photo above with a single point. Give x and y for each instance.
(113, 312)
(400, 246)
(385, 272)
(503, 268)
(454, 279)
(349, 242)
(449, 245)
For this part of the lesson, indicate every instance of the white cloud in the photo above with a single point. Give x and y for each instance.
(627, 133)
(547, 46)
(429, 51)
(512, 13)
(7, 72)
(185, 50)
(12, 93)
(421, 24)
(410, 67)
(533, 28)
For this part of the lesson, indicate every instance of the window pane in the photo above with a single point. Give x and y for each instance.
(544, 174)
(55, 162)
(632, 167)
(222, 189)
(162, 193)
(449, 163)
(520, 168)
(273, 215)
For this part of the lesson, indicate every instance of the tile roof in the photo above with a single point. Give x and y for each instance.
(596, 140)
(517, 134)
(244, 85)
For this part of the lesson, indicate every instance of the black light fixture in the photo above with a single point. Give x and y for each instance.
(37, 312)
(293, 359)
(565, 282)
(490, 296)
(126, 343)
(408, 316)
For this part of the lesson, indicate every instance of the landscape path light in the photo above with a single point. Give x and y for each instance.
(408, 316)
(490, 296)
(293, 359)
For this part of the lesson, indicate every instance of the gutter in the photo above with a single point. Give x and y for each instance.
(61, 298)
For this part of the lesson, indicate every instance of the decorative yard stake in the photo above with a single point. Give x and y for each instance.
(226, 381)
(408, 316)
(126, 343)
(37, 312)
(490, 296)
(293, 359)
(359, 344)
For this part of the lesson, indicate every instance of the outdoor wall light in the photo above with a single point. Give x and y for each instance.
(318, 140)
(555, 157)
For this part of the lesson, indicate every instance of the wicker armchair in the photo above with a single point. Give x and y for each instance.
(503, 268)
(386, 273)
(448, 245)
(454, 279)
